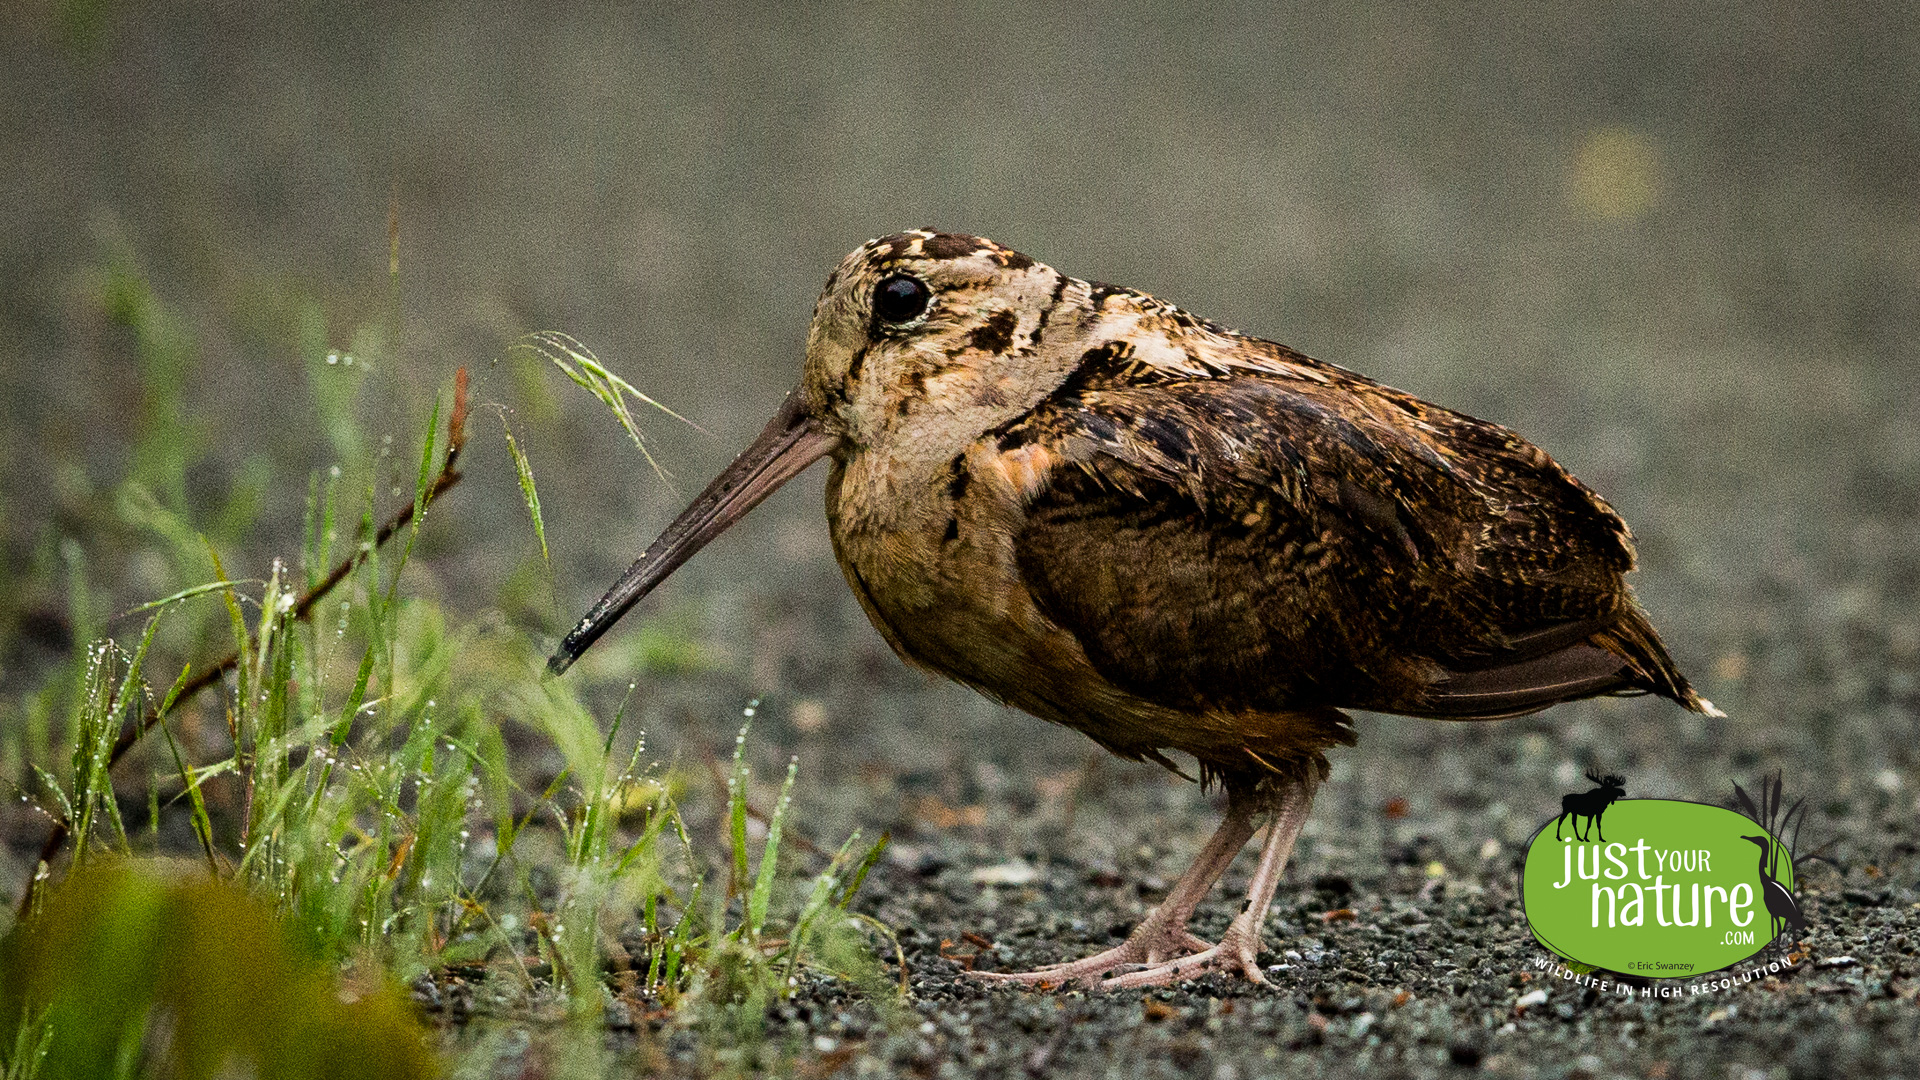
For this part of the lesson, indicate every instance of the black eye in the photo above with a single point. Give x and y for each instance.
(900, 299)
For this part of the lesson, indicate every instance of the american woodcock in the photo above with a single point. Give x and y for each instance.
(1112, 514)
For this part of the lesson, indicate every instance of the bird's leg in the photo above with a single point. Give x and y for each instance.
(1239, 947)
(1162, 935)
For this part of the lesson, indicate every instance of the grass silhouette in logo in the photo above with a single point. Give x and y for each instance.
(1591, 805)
(1780, 901)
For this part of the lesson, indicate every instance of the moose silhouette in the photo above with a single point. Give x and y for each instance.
(1590, 805)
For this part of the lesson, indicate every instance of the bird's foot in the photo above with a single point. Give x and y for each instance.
(1149, 945)
(1237, 953)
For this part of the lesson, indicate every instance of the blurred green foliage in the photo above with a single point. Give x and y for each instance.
(145, 969)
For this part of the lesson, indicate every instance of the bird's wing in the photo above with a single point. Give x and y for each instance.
(1255, 541)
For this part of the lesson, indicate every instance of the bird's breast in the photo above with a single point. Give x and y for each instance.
(930, 553)
(929, 549)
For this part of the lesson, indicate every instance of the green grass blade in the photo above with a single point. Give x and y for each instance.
(31, 1042)
(52, 784)
(79, 599)
(93, 731)
(424, 480)
(188, 594)
(126, 698)
(242, 642)
(866, 866)
(650, 922)
(676, 947)
(202, 824)
(770, 856)
(524, 470)
(580, 365)
(819, 900)
(737, 813)
(619, 717)
(173, 695)
(324, 536)
(310, 532)
(355, 701)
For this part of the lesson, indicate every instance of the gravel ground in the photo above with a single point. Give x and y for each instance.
(1407, 958)
(1396, 947)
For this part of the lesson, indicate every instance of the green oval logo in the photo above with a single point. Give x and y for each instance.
(1665, 890)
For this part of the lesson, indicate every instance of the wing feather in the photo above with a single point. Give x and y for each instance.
(1258, 542)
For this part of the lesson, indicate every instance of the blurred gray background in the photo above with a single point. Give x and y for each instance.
(1676, 244)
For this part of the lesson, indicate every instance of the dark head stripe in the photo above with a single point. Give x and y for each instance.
(931, 244)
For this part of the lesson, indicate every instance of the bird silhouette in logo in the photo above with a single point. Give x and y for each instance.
(1781, 905)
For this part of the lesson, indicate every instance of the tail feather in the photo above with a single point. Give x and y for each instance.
(1526, 686)
(1564, 663)
(1632, 638)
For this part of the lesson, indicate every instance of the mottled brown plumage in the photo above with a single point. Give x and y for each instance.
(1170, 536)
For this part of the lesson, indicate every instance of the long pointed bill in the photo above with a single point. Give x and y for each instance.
(791, 442)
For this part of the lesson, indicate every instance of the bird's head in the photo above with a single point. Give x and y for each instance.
(930, 337)
(920, 342)
(1765, 843)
